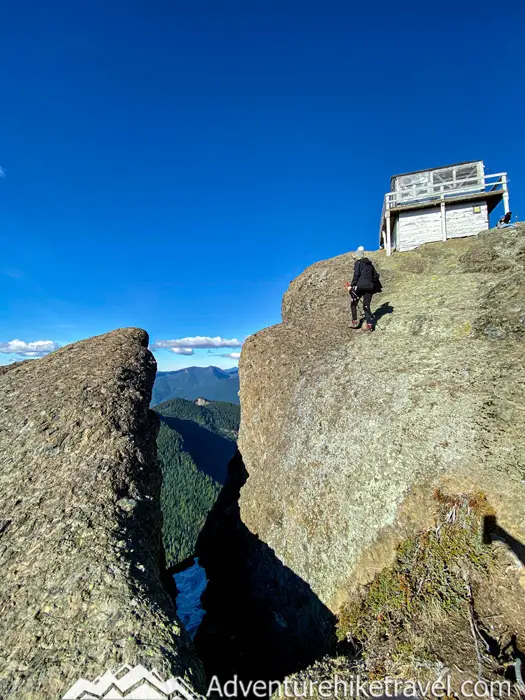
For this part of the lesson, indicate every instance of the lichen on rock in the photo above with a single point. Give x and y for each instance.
(82, 565)
(345, 436)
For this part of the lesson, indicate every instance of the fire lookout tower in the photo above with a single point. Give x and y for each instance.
(438, 204)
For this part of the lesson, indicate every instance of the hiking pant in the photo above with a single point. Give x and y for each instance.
(367, 300)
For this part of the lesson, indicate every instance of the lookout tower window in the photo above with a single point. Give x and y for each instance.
(456, 177)
(429, 183)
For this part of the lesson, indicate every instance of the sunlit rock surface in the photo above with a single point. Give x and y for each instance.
(346, 435)
(80, 546)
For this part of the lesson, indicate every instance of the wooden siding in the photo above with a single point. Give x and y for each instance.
(414, 228)
(463, 221)
(418, 227)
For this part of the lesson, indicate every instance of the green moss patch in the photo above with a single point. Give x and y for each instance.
(408, 609)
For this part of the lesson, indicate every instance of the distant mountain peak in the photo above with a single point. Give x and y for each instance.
(232, 371)
(192, 383)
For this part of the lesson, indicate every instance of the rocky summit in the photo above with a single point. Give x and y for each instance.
(347, 436)
(81, 588)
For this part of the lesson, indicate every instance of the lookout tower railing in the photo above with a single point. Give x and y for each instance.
(434, 191)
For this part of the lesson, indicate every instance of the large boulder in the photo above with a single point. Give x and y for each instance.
(82, 565)
(346, 435)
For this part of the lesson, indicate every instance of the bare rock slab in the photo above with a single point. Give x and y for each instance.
(345, 435)
(81, 559)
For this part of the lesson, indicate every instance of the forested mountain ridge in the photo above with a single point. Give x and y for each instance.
(190, 383)
(195, 444)
(220, 417)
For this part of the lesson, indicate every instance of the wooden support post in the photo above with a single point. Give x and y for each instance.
(505, 193)
(388, 235)
(443, 216)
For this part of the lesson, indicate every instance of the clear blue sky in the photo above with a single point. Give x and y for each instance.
(173, 164)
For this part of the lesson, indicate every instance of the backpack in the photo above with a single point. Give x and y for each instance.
(378, 287)
(368, 280)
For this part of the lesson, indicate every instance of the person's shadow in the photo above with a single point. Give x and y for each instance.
(383, 310)
(492, 531)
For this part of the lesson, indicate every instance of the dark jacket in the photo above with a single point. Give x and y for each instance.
(365, 277)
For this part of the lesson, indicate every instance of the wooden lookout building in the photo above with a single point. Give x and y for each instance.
(433, 205)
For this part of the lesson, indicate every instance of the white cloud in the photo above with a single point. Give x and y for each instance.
(37, 348)
(182, 351)
(198, 341)
(232, 355)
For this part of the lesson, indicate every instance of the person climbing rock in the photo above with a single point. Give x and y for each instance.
(365, 283)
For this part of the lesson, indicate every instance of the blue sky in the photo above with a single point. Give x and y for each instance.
(173, 165)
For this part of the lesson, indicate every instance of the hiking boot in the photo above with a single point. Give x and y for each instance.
(368, 327)
(354, 324)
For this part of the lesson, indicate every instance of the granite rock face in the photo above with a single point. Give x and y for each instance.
(346, 435)
(82, 567)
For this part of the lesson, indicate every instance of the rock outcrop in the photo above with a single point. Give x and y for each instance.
(201, 402)
(345, 436)
(82, 586)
